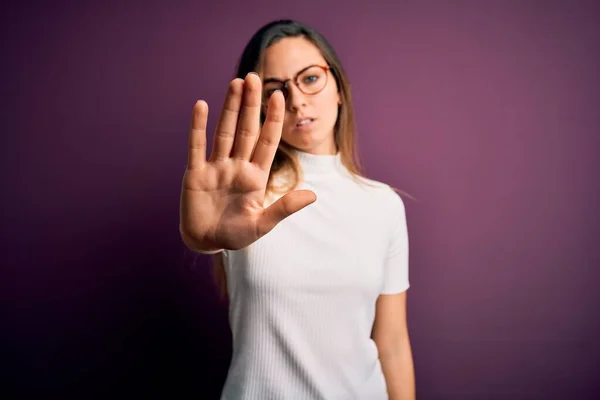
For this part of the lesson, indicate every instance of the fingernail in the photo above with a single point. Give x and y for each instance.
(252, 72)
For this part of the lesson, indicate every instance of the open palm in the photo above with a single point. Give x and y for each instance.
(222, 197)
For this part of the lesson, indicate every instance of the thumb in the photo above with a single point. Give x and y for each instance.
(284, 207)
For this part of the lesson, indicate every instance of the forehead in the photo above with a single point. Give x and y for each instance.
(290, 55)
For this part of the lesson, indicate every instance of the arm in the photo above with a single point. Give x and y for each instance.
(390, 333)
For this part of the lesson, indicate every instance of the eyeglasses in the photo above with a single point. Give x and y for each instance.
(311, 80)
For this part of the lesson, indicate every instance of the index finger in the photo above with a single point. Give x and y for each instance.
(197, 138)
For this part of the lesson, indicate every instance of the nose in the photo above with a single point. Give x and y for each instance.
(295, 99)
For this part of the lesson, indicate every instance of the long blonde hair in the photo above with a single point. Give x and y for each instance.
(345, 127)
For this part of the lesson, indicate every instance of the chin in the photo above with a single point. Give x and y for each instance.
(308, 142)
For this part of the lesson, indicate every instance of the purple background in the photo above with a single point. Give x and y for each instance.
(486, 112)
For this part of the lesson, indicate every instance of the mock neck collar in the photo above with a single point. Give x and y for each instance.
(316, 165)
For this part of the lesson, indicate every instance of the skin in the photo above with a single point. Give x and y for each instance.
(282, 61)
(390, 333)
(222, 196)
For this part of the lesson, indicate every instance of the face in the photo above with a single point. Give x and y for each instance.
(310, 117)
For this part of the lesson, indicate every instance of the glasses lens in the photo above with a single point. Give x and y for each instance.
(312, 80)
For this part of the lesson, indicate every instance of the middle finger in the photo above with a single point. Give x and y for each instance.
(249, 122)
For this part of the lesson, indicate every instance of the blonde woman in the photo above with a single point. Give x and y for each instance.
(312, 255)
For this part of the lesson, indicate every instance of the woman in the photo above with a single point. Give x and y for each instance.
(315, 255)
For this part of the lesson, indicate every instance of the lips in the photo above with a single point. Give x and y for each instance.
(304, 121)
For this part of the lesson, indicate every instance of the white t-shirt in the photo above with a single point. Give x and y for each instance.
(302, 298)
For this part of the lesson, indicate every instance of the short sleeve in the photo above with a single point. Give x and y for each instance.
(396, 260)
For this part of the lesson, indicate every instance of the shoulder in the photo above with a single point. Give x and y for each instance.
(383, 195)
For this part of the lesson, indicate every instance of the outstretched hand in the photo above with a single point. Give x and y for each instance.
(222, 197)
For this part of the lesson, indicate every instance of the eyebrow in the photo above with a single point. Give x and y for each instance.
(270, 79)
